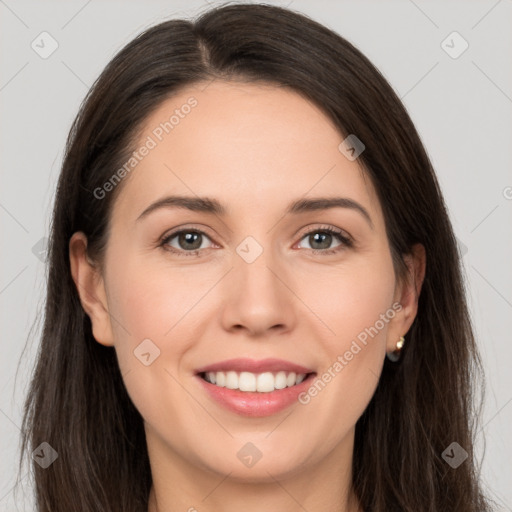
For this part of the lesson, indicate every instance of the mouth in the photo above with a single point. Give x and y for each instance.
(255, 395)
(249, 382)
(254, 388)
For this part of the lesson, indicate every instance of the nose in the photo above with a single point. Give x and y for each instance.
(259, 298)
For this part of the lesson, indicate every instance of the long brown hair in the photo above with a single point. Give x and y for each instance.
(77, 401)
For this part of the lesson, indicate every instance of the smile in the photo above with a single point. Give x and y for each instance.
(251, 382)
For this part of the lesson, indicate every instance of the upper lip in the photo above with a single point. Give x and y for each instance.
(254, 366)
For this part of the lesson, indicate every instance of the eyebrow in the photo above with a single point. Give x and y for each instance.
(212, 206)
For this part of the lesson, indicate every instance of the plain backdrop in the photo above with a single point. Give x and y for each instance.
(460, 101)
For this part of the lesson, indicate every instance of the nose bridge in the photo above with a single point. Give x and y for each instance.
(253, 266)
(257, 297)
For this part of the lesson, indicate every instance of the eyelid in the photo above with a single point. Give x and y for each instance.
(325, 227)
(185, 227)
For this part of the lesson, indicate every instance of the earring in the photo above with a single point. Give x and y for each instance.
(395, 355)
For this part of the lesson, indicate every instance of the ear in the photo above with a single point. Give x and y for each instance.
(90, 286)
(407, 294)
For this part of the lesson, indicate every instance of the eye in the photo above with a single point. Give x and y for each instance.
(189, 242)
(320, 240)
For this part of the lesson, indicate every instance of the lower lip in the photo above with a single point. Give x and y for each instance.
(255, 404)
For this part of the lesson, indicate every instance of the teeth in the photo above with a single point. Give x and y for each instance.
(261, 382)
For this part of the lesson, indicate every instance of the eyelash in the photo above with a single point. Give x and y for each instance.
(345, 241)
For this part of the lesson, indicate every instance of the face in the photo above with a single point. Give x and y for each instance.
(189, 287)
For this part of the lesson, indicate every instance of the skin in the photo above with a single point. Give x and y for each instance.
(247, 146)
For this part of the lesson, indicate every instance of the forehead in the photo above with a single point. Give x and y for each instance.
(245, 144)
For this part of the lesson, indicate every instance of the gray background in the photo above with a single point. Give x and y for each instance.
(461, 106)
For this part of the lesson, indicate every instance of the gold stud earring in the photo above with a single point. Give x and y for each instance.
(394, 356)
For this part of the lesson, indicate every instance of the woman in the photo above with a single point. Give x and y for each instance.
(254, 294)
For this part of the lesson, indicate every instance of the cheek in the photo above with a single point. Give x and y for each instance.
(154, 313)
(351, 298)
(357, 308)
(149, 318)
(152, 300)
